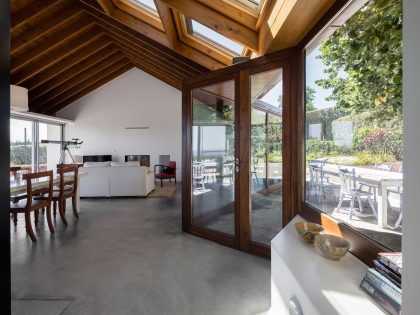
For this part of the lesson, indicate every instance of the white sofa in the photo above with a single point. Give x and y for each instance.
(113, 179)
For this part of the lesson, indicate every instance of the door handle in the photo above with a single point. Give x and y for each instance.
(237, 161)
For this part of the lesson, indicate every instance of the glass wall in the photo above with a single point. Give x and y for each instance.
(26, 149)
(48, 153)
(266, 155)
(21, 144)
(213, 157)
(354, 154)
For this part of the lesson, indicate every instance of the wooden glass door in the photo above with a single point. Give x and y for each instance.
(214, 163)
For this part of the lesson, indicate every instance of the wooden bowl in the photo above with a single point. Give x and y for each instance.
(308, 230)
(332, 247)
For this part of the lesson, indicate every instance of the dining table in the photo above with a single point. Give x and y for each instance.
(383, 180)
(18, 185)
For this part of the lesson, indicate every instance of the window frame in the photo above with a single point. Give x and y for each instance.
(363, 247)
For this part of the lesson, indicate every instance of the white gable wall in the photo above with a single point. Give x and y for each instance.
(134, 99)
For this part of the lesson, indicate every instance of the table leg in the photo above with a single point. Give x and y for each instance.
(382, 206)
(78, 195)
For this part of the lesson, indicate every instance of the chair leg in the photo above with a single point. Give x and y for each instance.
(36, 215)
(351, 206)
(398, 222)
(161, 183)
(372, 206)
(28, 226)
(55, 208)
(49, 220)
(74, 203)
(61, 211)
(340, 201)
(15, 219)
(360, 204)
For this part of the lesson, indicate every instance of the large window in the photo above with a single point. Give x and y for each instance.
(21, 143)
(353, 126)
(26, 149)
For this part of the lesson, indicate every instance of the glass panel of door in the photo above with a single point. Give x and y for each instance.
(213, 157)
(266, 165)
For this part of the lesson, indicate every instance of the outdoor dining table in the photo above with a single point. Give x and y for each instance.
(381, 179)
(18, 185)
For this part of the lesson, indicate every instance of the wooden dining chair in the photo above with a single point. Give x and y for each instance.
(67, 189)
(32, 204)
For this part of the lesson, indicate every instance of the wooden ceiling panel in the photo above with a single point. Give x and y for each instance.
(87, 89)
(68, 62)
(85, 62)
(85, 80)
(22, 36)
(62, 50)
(71, 82)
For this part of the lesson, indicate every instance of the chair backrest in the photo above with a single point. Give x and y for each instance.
(68, 177)
(347, 179)
(197, 170)
(44, 190)
(164, 159)
(383, 167)
(172, 164)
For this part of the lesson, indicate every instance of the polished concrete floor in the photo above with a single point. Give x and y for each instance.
(129, 256)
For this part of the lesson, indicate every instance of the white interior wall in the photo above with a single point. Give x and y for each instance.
(411, 219)
(134, 99)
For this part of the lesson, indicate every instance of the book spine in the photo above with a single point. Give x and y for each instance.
(384, 285)
(389, 273)
(390, 264)
(380, 298)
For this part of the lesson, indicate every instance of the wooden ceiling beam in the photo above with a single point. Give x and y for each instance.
(88, 89)
(107, 5)
(85, 62)
(32, 10)
(216, 21)
(44, 45)
(146, 68)
(240, 15)
(167, 63)
(71, 60)
(55, 56)
(168, 24)
(156, 68)
(288, 22)
(201, 62)
(49, 24)
(64, 86)
(133, 9)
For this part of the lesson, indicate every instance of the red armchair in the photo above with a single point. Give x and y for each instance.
(163, 172)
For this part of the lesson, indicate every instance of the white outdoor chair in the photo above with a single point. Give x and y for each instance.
(348, 190)
(318, 182)
(198, 176)
(397, 190)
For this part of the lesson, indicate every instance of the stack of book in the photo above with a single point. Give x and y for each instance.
(383, 283)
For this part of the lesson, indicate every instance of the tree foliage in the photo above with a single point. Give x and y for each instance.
(310, 98)
(368, 51)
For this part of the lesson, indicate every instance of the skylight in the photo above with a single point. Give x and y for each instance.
(149, 4)
(216, 38)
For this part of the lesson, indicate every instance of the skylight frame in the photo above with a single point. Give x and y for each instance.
(149, 8)
(209, 41)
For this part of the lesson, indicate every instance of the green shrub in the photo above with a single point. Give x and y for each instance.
(371, 158)
(342, 160)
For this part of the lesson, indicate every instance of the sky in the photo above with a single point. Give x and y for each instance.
(17, 132)
(314, 71)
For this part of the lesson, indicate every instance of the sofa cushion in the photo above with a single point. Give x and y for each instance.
(96, 164)
(130, 163)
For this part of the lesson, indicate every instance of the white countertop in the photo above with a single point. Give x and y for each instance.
(320, 285)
